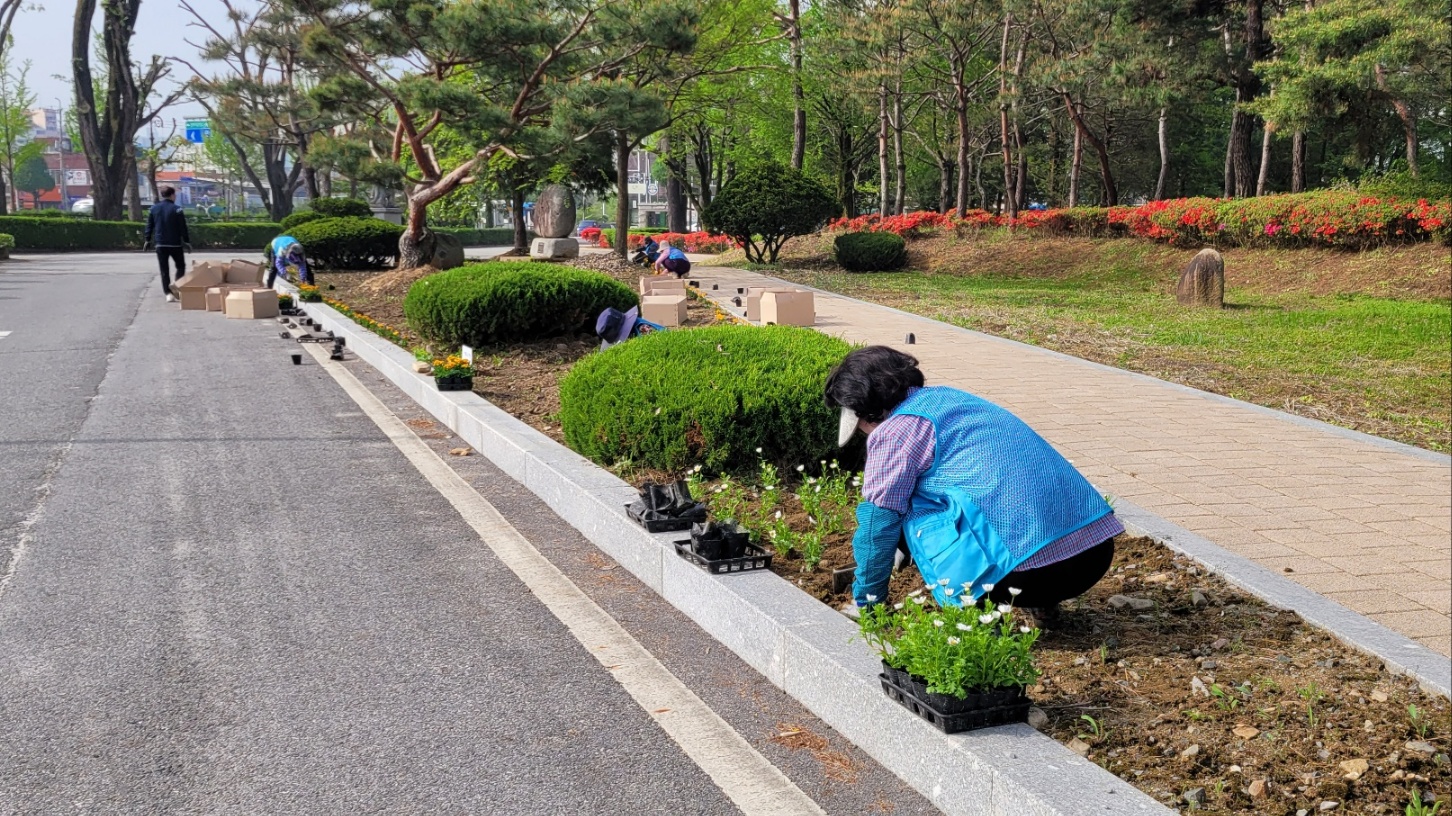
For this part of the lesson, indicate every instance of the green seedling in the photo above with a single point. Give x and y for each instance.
(1312, 694)
(1421, 723)
(1223, 699)
(1096, 728)
(1417, 806)
(810, 544)
(1195, 715)
(1103, 653)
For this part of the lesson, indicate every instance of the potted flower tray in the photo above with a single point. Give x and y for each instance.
(753, 558)
(455, 383)
(952, 714)
(661, 525)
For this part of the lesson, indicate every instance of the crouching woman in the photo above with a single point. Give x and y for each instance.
(983, 504)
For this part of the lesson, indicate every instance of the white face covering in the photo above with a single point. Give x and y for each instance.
(846, 427)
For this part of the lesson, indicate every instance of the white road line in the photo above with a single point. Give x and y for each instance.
(740, 771)
(4, 335)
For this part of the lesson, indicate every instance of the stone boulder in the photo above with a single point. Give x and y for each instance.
(554, 212)
(448, 251)
(1203, 281)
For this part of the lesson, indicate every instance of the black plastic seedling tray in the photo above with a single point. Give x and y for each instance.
(987, 717)
(755, 559)
(660, 525)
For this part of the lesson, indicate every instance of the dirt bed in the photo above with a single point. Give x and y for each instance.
(1187, 688)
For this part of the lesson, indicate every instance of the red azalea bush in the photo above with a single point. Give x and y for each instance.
(590, 234)
(1338, 218)
(703, 243)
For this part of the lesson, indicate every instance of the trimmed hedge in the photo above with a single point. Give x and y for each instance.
(63, 234)
(765, 205)
(341, 207)
(712, 396)
(349, 243)
(492, 236)
(508, 301)
(231, 235)
(300, 217)
(870, 251)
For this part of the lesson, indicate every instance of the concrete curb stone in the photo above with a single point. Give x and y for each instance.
(797, 643)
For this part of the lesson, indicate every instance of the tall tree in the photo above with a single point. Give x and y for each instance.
(31, 173)
(486, 69)
(16, 102)
(108, 122)
(261, 97)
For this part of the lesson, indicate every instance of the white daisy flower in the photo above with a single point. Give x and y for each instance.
(985, 619)
(801, 468)
(915, 593)
(938, 623)
(1004, 609)
(988, 587)
(942, 582)
(919, 601)
(963, 627)
(948, 591)
(952, 641)
(1025, 629)
(897, 605)
(1015, 591)
(871, 598)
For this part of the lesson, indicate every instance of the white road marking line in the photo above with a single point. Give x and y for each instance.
(4, 335)
(739, 770)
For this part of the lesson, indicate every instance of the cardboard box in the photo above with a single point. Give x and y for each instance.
(191, 288)
(216, 297)
(666, 310)
(753, 300)
(788, 309)
(662, 285)
(251, 303)
(243, 273)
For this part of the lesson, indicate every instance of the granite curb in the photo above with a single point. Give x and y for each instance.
(797, 643)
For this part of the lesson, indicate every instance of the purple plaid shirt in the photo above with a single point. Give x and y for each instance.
(900, 451)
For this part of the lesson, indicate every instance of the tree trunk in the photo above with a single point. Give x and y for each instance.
(621, 246)
(489, 214)
(799, 97)
(1164, 153)
(675, 204)
(899, 197)
(1076, 161)
(516, 215)
(960, 107)
(945, 185)
(1106, 174)
(1247, 88)
(411, 244)
(1268, 131)
(1298, 161)
(1404, 113)
(133, 195)
(884, 199)
(1003, 131)
(310, 179)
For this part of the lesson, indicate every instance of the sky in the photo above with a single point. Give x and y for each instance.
(43, 36)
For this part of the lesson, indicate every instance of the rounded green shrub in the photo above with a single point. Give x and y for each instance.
(341, 207)
(300, 217)
(506, 301)
(349, 243)
(764, 205)
(870, 251)
(711, 397)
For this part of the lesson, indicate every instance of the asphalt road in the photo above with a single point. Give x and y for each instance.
(225, 591)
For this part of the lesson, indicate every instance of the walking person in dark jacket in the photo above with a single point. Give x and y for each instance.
(166, 229)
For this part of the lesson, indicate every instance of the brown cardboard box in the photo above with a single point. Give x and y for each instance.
(251, 303)
(666, 310)
(243, 273)
(753, 300)
(662, 285)
(191, 288)
(216, 297)
(788, 309)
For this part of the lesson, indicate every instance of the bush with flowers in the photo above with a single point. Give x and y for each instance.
(383, 330)
(1333, 218)
(955, 649)
(591, 234)
(703, 243)
(308, 293)
(452, 366)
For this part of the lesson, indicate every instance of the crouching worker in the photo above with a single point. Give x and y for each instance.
(648, 252)
(672, 259)
(287, 252)
(983, 503)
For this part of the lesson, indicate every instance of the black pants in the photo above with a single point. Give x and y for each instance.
(177, 257)
(1060, 581)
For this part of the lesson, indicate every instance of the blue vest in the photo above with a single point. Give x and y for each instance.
(996, 493)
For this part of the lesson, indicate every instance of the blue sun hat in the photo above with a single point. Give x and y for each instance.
(614, 326)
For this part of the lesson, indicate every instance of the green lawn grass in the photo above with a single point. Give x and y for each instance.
(1376, 364)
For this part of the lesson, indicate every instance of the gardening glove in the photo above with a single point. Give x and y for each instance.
(875, 547)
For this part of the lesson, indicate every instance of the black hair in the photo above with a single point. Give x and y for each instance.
(872, 381)
(168, 192)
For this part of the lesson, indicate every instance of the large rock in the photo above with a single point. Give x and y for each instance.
(1203, 281)
(448, 251)
(554, 212)
(554, 249)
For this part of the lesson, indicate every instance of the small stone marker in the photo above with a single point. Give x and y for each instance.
(911, 340)
(1203, 281)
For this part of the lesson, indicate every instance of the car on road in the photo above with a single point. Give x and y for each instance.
(591, 222)
(86, 206)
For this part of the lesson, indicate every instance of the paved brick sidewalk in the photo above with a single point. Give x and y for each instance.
(1366, 524)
